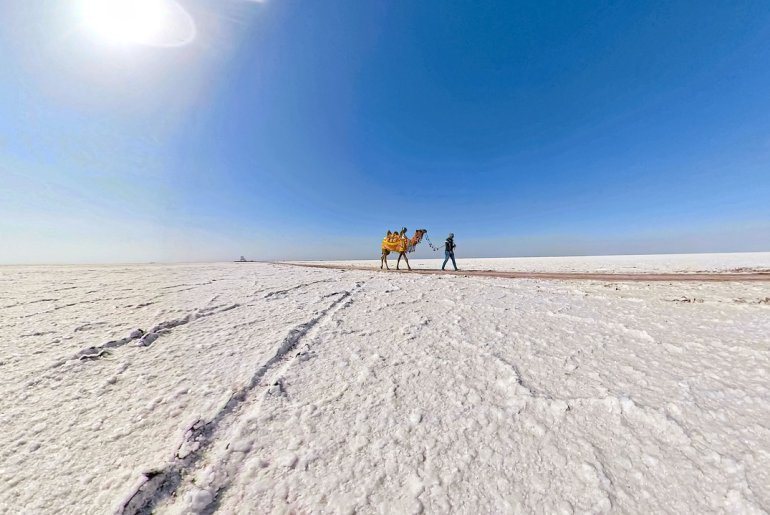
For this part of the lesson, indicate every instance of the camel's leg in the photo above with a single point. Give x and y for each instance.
(400, 255)
(407, 262)
(385, 260)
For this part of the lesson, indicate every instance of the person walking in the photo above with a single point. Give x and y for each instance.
(449, 251)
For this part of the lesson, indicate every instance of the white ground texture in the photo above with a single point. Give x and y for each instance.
(268, 388)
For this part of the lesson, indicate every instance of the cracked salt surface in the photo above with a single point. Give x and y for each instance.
(271, 388)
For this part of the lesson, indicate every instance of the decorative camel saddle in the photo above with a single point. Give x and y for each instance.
(396, 242)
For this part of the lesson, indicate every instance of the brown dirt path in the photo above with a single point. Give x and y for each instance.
(575, 276)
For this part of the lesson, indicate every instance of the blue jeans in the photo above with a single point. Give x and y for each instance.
(448, 255)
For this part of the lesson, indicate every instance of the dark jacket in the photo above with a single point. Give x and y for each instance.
(449, 245)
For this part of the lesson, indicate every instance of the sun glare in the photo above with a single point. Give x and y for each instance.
(124, 21)
(142, 22)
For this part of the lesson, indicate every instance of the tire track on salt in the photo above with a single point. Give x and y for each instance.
(157, 485)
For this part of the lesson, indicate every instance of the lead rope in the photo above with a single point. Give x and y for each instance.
(430, 243)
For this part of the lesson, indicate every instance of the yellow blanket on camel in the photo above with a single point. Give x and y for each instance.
(395, 243)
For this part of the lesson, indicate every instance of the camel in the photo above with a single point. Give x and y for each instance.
(398, 242)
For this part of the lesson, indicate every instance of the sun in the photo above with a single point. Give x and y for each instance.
(125, 21)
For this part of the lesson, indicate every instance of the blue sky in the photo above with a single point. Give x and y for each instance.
(296, 129)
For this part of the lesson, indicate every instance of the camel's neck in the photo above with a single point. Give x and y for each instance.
(417, 238)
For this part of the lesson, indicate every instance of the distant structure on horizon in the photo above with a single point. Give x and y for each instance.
(244, 260)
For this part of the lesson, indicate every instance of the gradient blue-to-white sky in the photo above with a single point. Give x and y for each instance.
(306, 129)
